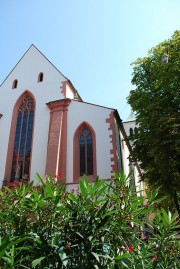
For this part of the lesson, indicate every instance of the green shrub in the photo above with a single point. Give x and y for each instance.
(98, 226)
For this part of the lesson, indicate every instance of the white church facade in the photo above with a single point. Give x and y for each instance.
(45, 127)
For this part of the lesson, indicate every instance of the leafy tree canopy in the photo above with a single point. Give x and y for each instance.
(156, 102)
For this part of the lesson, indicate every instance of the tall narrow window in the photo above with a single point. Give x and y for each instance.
(15, 83)
(40, 77)
(23, 140)
(132, 177)
(131, 131)
(86, 153)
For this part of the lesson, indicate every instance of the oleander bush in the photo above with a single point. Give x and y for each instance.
(100, 225)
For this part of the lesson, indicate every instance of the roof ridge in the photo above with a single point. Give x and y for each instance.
(32, 45)
(16, 65)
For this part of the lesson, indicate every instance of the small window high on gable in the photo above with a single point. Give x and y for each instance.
(40, 77)
(15, 83)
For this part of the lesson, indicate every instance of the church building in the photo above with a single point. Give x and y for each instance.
(46, 128)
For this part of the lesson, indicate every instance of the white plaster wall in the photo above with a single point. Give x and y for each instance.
(69, 92)
(96, 116)
(4, 136)
(71, 187)
(127, 125)
(140, 184)
(137, 180)
(27, 72)
(125, 155)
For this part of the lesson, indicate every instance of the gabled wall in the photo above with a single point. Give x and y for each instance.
(26, 72)
(96, 116)
(57, 118)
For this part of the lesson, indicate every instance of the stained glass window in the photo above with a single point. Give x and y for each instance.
(23, 140)
(86, 153)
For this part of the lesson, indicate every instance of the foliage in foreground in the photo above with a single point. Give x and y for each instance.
(155, 100)
(98, 226)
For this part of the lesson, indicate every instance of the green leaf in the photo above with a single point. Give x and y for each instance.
(95, 255)
(64, 258)
(101, 191)
(35, 195)
(97, 185)
(79, 234)
(39, 179)
(23, 266)
(174, 217)
(7, 242)
(123, 256)
(49, 190)
(82, 188)
(11, 191)
(72, 197)
(166, 216)
(112, 212)
(90, 238)
(37, 262)
(28, 187)
(86, 183)
(126, 265)
(102, 209)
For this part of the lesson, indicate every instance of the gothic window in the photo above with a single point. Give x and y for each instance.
(120, 150)
(23, 140)
(86, 153)
(15, 83)
(132, 177)
(131, 131)
(40, 77)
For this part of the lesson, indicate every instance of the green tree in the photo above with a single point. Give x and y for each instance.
(156, 102)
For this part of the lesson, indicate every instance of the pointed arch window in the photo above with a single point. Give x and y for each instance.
(15, 83)
(84, 152)
(23, 140)
(131, 131)
(40, 77)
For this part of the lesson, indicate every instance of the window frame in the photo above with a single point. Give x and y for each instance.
(10, 150)
(40, 77)
(76, 152)
(131, 131)
(23, 135)
(15, 84)
(86, 153)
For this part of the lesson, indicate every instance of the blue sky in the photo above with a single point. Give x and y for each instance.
(92, 42)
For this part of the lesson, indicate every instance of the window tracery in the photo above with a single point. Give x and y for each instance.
(86, 152)
(23, 140)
